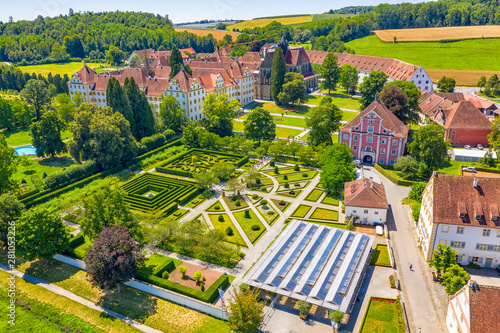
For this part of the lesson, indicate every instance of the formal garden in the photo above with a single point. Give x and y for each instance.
(383, 315)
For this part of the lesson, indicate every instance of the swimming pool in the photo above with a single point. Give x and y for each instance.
(26, 150)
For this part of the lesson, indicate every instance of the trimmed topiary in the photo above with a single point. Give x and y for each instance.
(258, 181)
(270, 213)
(304, 175)
(276, 169)
(202, 286)
(165, 275)
(264, 202)
(255, 227)
(296, 167)
(286, 185)
(255, 196)
(296, 185)
(221, 218)
(234, 197)
(217, 207)
(197, 276)
(247, 213)
(229, 231)
(282, 203)
(237, 203)
(263, 189)
(271, 163)
(292, 192)
(285, 177)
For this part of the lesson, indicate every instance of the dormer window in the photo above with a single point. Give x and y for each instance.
(462, 210)
(478, 210)
(494, 212)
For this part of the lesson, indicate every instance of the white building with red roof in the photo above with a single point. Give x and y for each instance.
(376, 135)
(366, 199)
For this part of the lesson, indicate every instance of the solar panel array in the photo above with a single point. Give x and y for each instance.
(313, 262)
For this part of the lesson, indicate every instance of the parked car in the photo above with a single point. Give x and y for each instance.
(379, 230)
(357, 163)
(467, 147)
(469, 169)
(479, 146)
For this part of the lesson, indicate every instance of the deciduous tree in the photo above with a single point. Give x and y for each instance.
(454, 279)
(10, 210)
(329, 72)
(323, 121)
(372, 85)
(394, 98)
(446, 84)
(294, 89)
(246, 311)
(46, 135)
(259, 125)
(65, 107)
(220, 110)
(428, 146)
(348, 78)
(338, 167)
(8, 165)
(412, 102)
(494, 136)
(171, 114)
(205, 180)
(37, 95)
(443, 258)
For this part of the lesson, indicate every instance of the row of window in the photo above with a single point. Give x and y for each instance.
(488, 247)
(369, 139)
(382, 150)
(460, 230)
(365, 211)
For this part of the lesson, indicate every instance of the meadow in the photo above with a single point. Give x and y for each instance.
(437, 34)
(291, 20)
(63, 68)
(218, 34)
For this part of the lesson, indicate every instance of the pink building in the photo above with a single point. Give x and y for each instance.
(376, 135)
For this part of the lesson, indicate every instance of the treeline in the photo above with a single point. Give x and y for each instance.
(352, 10)
(14, 79)
(90, 35)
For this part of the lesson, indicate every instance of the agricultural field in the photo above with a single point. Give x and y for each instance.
(218, 34)
(437, 34)
(62, 68)
(262, 22)
(462, 77)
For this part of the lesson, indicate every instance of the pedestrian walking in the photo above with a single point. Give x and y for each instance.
(411, 267)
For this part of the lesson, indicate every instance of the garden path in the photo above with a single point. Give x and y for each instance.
(236, 224)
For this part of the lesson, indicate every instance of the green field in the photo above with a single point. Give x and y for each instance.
(380, 256)
(314, 195)
(222, 226)
(339, 98)
(325, 214)
(22, 137)
(383, 316)
(330, 200)
(39, 167)
(273, 108)
(247, 223)
(301, 211)
(474, 54)
(63, 68)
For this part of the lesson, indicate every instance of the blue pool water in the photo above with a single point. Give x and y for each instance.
(27, 150)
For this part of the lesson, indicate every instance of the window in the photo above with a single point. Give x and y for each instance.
(354, 211)
(393, 152)
(370, 129)
(354, 147)
(381, 161)
(445, 228)
(453, 136)
(486, 232)
(346, 137)
(498, 233)
(368, 148)
(384, 141)
(376, 213)
(355, 138)
(482, 247)
(496, 248)
(460, 230)
(457, 244)
(392, 162)
(394, 142)
(369, 139)
(475, 259)
(366, 211)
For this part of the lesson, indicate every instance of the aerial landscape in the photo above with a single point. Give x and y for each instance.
(234, 166)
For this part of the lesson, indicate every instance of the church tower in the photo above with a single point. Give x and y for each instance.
(283, 44)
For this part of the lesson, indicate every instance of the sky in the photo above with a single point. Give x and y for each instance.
(178, 11)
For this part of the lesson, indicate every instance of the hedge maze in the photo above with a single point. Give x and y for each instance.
(150, 193)
(199, 160)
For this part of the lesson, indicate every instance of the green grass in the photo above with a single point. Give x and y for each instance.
(301, 211)
(22, 137)
(339, 98)
(349, 115)
(284, 120)
(314, 195)
(328, 224)
(325, 214)
(40, 166)
(64, 68)
(383, 317)
(180, 213)
(273, 108)
(281, 207)
(213, 209)
(198, 200)
(264, 210)
(247, 223)
(286, 170)
(474, 54)
(249, 196)
(288, 194)
(335, 138)
(232, 204)
(281, 132)
(296, 176)
(330, 200)
(380, 256)
(236, 237)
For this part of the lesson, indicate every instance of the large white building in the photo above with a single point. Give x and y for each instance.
(474, 309)
(228, 77)
(462, 212)
(366, 199)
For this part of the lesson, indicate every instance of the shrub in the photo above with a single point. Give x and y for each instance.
(182, 270)
(238, 203)
(44, 175)
(255, 196)
(202, 286)
(286, 185)
(271, 163)
(71, 174)
(217, 207)
(303, 307)
(285, 177)
(392, 281)
(296, 167)
(255, 227)
(304, 174)
(263, 189)
(296, 185)
(221, 218)
(276, 169)
(292, 192)
(282, 203)
(229, 231)
(258, 181)
(264, 202)
(271, 213)
(247, 213)
(168, 134)
(415, 212)
(165, 275)
(473, 265)
(197, 276)
(288, 220)
(234, 197)
(23, 181)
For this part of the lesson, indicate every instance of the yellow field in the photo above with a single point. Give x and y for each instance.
(218, 34)
(463, 78)
(63, 68)
(436, 34)
(262, 22)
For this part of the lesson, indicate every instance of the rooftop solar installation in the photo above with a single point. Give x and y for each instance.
(315, 263)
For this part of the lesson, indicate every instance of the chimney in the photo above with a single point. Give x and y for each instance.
(475, 183)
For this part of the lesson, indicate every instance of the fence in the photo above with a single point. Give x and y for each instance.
(160, 292)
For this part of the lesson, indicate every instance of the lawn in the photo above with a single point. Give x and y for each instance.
(330, 200)
(283, 132)
(39, 167)
(269, 213)
(64, 68)
(215, 207)
(198, 200)
(349, 115)
(474, 54)
(296, 176)
(383, 316)
(286, 170)
(232, 204)
(284, 120)
(281, 207)
(380, 256)
(142, 307)
(325, 214)
(339, 98)
(335, 138)
(22, 137)
(301, 211)
(314, 195)
(273, 108)
(222, 226)
(287, 193)
(252, 200)
(247, 223)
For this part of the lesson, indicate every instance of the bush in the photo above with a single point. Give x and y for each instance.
(221, 218)
(202, 286)
(296, 167)
(44, 175)
(23, 181)
(234, 197)
(255, 196)
(304, 174)
(263, 189)
(165, 275)
(151, 142)
(247, 213)
(229, 231)
(255, 227)
(276, 169)
(272, 163)
(264, 202)
(285, 177)
(168, 134)
(473, 265)
(197, 276)
(217, 207)
(292, 192)
(71, 174)
(392, 281)
(288, 220)
(415, 212)
(182, 270)
(286, 185)
(270, 213)
(238, 203)
(296, 185)
(282, 203)
(257, 181)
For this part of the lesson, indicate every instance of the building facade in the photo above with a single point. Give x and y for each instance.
(376, 135)
(462, 212)
(366, 199)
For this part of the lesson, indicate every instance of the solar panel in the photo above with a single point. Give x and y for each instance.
(346, 280)
(323, 259)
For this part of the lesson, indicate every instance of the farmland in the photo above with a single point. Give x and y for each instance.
(218, 34)
(62, 68)
(262, 22)
(437, 34)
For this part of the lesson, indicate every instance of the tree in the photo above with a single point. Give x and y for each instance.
(59, 53)
(493, 81)
(278, 70)
(409, 167)
(323, 121)
(415, 211)
(395, 100)
(143, 115)
(117, 100)
(235, 185)
(446, 84)
(348, 78)
(40, 234)
(372, 85)
(6, 114)
(292, 148)
(8, 165)
(416, 191)
(443, 258)
(329, 72)
(413, 95)
(259, 125)
(115, 56)
(46, 135)
(337, 316)
(294, 89)
(223, 170)
(338, 167)
(175, 61)
(65, 107)
(105, 208)
(25, 161)
(428, 146)
(171, 114)
(246, 311)
(481, 82)
(454, 279)
(10, 210)
(36, 94)
(220, 110)
(114, 258)
(192, 135)
(494, 136)
(205, 180)
(182, 270)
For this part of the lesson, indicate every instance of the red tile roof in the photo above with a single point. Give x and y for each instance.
(389, 120)
(365, 193)
(453, 194)
(292, 56)
(484, 309)
(464, 115)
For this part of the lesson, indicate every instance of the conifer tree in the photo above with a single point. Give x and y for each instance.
(143, 116)
(117, 100)
(277, 74)
(175, 61)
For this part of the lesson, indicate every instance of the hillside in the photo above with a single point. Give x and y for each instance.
(293, 20)
(217, 34)
(438, 34)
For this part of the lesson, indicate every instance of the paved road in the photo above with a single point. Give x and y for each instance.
(418, 301)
